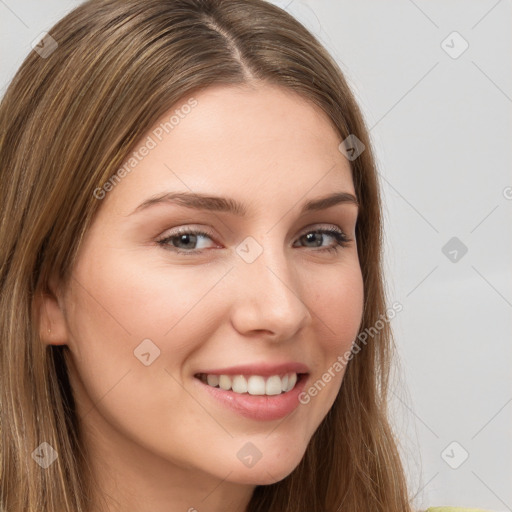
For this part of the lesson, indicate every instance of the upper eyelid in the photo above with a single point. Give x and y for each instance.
(197, 230)
(192, 229)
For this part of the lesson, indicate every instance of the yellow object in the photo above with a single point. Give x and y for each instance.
(455, 509)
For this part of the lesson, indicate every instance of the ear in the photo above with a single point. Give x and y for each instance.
(52, 321)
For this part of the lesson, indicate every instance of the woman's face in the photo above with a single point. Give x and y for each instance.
(265, 290)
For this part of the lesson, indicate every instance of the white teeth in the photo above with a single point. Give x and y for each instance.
(292, 381)
(256, 385)
(273, 385)
(225, 382)
(213, 380)
(253, 384)
(239, 384)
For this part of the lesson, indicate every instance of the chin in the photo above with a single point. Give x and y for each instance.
(264, 472)
(260, 477)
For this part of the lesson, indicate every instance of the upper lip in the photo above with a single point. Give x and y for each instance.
(263, 369)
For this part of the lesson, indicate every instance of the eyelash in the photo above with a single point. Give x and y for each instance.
(341, 240)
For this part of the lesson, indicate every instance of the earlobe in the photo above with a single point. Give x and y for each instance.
(52, 322)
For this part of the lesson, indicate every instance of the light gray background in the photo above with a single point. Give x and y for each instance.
(441, 128)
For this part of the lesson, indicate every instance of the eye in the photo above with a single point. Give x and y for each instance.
(318, 236)
(188, 241)
(184, 238)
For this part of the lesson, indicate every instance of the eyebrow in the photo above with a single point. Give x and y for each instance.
(229, 205)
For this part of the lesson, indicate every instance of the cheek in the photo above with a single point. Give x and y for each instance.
(134, 328)
(127, 302)
(337, 302)
(132, 332)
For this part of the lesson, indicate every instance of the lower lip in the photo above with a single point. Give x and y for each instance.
(259, 407)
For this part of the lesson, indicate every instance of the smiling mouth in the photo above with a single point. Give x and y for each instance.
(253, 384)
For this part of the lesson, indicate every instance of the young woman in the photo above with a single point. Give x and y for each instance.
(190, 256)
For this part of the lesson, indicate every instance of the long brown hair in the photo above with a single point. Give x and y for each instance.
(68, 121)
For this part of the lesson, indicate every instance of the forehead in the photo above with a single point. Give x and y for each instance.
(261, 144)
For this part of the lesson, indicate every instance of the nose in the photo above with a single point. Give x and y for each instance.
(268, 299)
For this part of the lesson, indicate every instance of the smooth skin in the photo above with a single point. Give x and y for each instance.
(157, 441)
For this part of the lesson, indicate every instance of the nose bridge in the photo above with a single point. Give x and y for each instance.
(269, 297)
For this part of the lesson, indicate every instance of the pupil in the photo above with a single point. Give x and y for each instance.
(309, 237)
(185, 239)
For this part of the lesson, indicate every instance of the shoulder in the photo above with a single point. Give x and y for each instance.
(455, 509)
